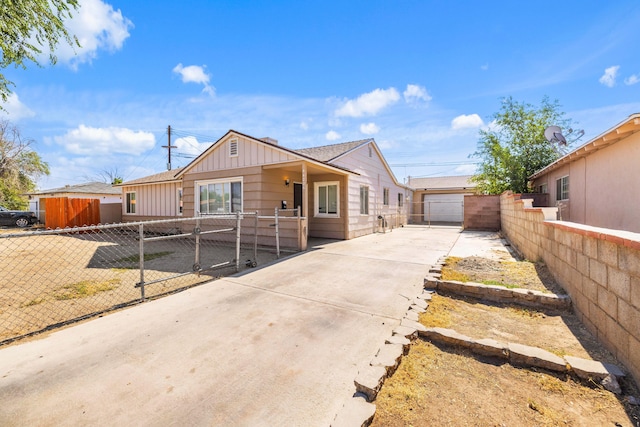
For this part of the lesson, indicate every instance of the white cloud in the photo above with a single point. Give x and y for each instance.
(369, 104)
(304, 125)
(484, 67)
(86, 140)
(97, 26)
(332, 135)
(195, 74)
(414, 93)
(632, 79)
(15, 109)
(369, 128)
(189, 145)
(609, 77)
(465, 121)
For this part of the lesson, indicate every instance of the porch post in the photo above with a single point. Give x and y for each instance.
(305, 198)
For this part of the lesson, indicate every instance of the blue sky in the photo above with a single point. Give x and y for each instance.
(420, 77)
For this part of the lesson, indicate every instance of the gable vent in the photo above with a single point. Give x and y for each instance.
(233, 148)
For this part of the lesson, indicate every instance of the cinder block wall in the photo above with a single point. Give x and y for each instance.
(482, 212)
(599, 268)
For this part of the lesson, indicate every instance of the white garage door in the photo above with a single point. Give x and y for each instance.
(443, 207)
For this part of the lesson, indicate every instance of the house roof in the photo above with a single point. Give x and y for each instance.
(620, 131)
(266, 142)
(327, 153)
(442, 183)
(86, 188)
(166, 176)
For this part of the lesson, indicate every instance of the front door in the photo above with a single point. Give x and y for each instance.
(297, 196)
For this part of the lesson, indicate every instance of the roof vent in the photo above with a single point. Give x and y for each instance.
(269, 140)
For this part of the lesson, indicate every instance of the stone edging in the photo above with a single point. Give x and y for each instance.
(495, 293)
(359, 411)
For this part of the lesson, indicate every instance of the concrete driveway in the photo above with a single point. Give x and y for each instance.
(280, 345)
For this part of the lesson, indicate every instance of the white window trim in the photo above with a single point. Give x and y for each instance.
(559, 197)
(197, 184)
(316, 206)
(368, 200)
(233, 143)
(135, 203)
(178, 200)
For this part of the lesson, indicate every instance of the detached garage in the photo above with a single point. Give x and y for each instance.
(440, 199)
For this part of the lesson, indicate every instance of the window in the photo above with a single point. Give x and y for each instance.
(543, 188)
(219, 196)
(131, 202)
(327, 199)
(179, 201)
(562, 188)
(364, 200)
(385, 196)
(400, 200)
(233, 148)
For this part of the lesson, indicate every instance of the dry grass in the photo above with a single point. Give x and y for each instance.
(85, 288)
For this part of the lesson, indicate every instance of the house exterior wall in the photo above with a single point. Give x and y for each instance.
(598, 267)
(602, 186)
(327, 227)
(153, 201)
(372, 173)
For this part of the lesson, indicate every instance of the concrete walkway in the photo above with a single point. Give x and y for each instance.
(280, 345)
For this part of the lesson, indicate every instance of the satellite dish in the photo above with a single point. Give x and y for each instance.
(551, 133)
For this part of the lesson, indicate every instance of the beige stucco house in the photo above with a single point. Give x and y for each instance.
(440, 199)
(342, 189)
(596, 184)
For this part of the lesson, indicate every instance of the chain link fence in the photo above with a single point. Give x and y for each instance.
(53, 277)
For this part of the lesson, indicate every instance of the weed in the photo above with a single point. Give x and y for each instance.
(35, 301)
(499, 283)
(450, 274)
(86, 288)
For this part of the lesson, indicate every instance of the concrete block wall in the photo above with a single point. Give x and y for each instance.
(599, 268)
(481, 212)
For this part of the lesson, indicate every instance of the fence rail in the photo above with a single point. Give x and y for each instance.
(50, 278)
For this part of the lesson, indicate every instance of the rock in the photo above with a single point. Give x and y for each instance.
(355, 412)
(370, 380)
(525, 355)
(611, 383)
(448, 336)
(412, 315)
(411, 324)
(490, 347)
(388, 357)
(404, 331)
(586, 369)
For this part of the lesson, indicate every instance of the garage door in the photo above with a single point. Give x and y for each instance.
(443, 207)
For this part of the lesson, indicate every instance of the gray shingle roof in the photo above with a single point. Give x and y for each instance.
(87, 188)
(442, 182)
(159, 177)
(326, 153)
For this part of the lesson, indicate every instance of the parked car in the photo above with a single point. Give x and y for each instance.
(18, 218)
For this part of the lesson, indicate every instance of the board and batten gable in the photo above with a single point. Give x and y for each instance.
(262, 190)
(153, 201)
(372, 171)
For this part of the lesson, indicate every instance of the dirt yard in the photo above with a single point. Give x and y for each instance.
(441, 385)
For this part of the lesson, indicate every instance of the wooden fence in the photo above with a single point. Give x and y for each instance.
(61, 212)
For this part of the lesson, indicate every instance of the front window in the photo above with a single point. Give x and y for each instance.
(131, 202)
(364, 200)
(385, 197)
(179, 201)
(400, 200)
(562, 188)
(327, 198)
(219, 196)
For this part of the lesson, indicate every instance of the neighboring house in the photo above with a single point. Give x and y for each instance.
(440, 199)
(341, 189)
(598, 183)
(110, 199)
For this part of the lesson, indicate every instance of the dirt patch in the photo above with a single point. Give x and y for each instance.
(440, 385)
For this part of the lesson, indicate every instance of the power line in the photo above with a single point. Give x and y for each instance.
(433, 164)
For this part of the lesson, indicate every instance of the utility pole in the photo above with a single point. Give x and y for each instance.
(169, 147)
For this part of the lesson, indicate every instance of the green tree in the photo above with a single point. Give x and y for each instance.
(28, 27)
(20, 166)
(514, 147)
